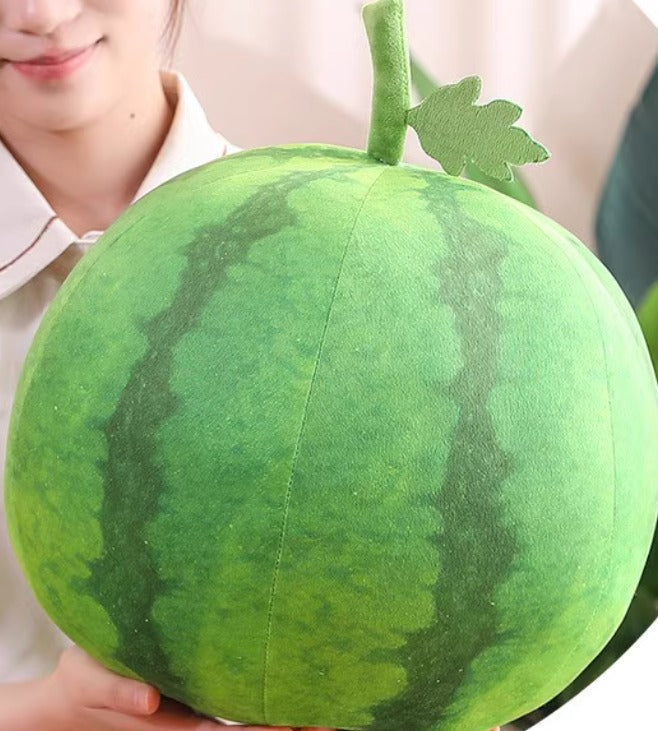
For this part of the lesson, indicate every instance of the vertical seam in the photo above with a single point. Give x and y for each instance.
(287, 500)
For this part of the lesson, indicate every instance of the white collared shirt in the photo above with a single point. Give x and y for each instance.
(37, 252)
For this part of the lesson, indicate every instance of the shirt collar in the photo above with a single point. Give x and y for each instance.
(191, 141)
(32, 236)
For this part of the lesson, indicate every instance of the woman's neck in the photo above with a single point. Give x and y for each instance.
(90, 174)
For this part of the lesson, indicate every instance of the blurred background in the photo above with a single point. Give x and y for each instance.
(275, 71)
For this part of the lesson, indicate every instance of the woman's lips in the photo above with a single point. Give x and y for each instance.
(54, 67)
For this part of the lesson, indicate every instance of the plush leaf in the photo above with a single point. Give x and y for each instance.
(517, 188)
(453, 130)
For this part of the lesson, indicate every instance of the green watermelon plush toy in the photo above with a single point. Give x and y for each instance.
(314, 438)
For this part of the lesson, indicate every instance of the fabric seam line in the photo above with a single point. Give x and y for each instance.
(288, 496)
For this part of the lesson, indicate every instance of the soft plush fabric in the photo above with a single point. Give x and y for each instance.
(516, 187)
(454, 129)
(347, 445)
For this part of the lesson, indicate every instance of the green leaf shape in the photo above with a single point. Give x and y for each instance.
(453, 130)
(424, 85)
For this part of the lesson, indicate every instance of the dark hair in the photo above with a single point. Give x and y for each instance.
(174, 23)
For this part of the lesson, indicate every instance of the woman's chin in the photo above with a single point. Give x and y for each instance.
(76, 107)
(55, 104)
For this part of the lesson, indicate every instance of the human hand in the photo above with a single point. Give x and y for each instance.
(83, 695)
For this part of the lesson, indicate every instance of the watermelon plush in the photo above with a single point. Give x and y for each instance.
(313, 438)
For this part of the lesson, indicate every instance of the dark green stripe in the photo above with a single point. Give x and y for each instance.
(475, 545)
(125, 580)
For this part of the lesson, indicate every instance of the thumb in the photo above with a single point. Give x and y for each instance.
(122, 695)
(98, 687)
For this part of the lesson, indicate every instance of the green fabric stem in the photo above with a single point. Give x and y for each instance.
(386, 28)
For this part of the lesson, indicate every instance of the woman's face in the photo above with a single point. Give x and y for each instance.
(64, 63)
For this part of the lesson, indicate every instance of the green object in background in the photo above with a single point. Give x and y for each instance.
(349, 444)
(627, 217)
(627, 234)
(516, 188)
(648, 317)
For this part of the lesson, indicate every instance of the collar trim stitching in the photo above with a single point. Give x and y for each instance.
(49, 223)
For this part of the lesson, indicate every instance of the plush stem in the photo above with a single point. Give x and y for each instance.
(386, 27)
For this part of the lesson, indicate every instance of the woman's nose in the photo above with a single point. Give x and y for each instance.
(38, 17)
